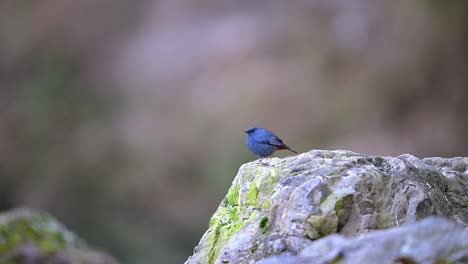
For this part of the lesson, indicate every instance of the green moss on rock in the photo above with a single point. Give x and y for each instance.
(251, 198)
(248, 196)
(39, 238)
(324, 224)
(220, 232)
(232, 197)
(384, 220)
(26, 226)
(263, 224)
(266, 204)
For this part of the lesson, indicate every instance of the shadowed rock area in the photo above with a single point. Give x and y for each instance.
(293, 209)
(32, 237)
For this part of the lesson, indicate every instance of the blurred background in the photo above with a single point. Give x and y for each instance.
(124, 119)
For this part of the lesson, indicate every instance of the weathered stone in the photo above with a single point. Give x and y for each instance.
(432, 240)
(281, 206)
(28, 236)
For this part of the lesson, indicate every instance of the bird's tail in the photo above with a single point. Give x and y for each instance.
(288, 148)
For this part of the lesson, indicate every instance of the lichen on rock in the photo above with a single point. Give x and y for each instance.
(317, 194)
(247, 200)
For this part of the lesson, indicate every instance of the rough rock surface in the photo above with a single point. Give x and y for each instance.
(433, 240)
(28, 236)
(282, 207)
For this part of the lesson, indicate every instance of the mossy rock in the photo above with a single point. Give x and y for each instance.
(281, 206)
(30, 236)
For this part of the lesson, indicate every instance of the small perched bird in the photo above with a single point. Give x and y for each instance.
(263, 143)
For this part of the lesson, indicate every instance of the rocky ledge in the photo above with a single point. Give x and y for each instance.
(327, 207)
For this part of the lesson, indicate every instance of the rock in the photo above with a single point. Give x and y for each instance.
(285, 206)
(433, 240)
(29, 237)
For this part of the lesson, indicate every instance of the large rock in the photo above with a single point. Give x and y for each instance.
(433, 240)
(281, 206)
(30, 237)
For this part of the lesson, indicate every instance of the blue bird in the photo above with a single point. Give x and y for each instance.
(263, 143)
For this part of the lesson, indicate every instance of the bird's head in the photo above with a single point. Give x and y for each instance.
(251, 130)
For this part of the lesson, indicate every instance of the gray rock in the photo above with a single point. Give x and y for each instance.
(282, 208)
(433, 240)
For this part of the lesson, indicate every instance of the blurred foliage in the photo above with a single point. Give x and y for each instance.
(124, 118)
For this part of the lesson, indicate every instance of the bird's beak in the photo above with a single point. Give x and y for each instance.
(245, 131)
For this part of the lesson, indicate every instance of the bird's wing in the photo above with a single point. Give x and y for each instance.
(271, 140)
(275, 141)
(264, 139)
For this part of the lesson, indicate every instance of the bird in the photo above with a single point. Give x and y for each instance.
(263, 142)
